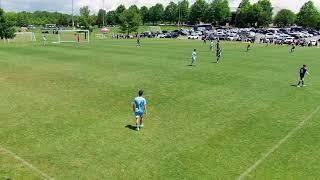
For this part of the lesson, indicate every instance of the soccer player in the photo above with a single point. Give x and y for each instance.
(139, 107)
(303, 71)
(44, 40)
(248, 46)
(205, 39)
(268, 42)
(218, 54)
(211, 45)
(138, 41)
(194, 57)
(293, 48)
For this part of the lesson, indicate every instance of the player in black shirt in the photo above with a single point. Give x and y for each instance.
(218, 44)
(138, 41)
(303, 71)
(218, 54)
(293, 48)
(248, 46)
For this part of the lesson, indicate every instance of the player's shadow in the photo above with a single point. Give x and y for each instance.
(131, 127)
(293, 85)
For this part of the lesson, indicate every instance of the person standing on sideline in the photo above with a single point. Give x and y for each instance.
(139, 108)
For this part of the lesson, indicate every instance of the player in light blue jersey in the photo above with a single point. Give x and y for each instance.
(194, 57)
(139, 108)
(211, 46)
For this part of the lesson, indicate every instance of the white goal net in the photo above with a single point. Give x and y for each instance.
(72, 36)
(24, 37)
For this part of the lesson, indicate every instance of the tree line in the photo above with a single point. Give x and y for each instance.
(217, 12)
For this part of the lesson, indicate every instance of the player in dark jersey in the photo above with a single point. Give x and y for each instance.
(248, 46)
(218, 54)
(218, 43)
(293, 47)
(205, 39)
(138, 41)
(303, 71)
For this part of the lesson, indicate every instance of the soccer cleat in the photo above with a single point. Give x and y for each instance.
(141, 126)
(138, 129)
(298, 86)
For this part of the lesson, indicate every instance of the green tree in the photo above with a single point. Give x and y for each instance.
(308, 15)
(265, 16)
(144, 12)
(64, 20)
(101, 19)
(22, 19)
(120, 9)
(156, 13)
(242, 14)
(171, 12)
(93, 19)
(11, 17)
(130, 21)
(285, 18)
(183, 10)
(85, 19)
(219, 12)
(134, 8)
(6, 29)
(198, 11)
(111, 18)
(253, 15)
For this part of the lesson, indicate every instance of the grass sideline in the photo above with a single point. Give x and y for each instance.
(64, 109)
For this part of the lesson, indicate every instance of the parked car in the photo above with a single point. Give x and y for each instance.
(269, 36)
(193, 36)
(288, 40)
(161, 36)
(232, 37)
(313, 42)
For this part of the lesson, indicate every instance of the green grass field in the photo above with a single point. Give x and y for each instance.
(64, 110)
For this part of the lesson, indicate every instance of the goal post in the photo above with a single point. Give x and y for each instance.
(24, 37)
(72, 36)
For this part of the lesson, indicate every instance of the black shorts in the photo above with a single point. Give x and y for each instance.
(301, 77)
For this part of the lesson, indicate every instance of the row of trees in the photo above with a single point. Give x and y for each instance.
(218, 12)
(6, 28)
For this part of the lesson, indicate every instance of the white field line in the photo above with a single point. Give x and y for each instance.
(24, 162)
(276, 146)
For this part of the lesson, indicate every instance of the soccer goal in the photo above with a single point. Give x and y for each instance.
(72, 36)
(24, 37)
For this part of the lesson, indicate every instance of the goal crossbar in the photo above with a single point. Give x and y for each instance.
(76, 38)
